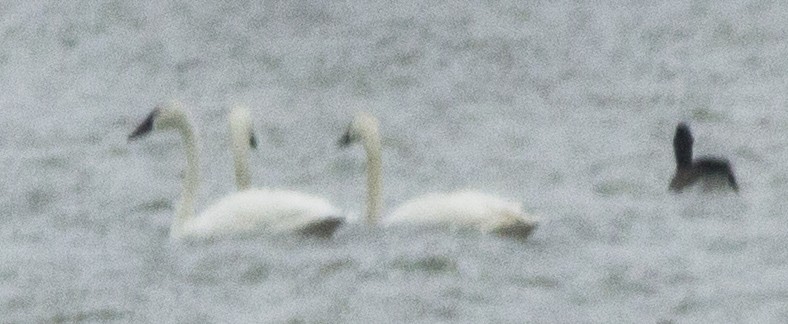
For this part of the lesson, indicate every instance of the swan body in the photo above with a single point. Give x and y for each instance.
(710, 172)
(463, 209)
(262, 210)
(243, 212)
(288, 211)
(472, 209)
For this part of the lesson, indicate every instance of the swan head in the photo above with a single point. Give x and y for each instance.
(363, 125)
(170, 115)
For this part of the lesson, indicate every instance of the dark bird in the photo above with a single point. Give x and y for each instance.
(714, 173)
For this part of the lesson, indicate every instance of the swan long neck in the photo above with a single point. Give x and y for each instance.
(240, 130)
(371, 142)
(242, 176)
(191, 180)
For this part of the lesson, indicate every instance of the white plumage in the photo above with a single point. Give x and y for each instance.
(261, 210)
(244, 212)
(284, 210)
(468, 209)
(241, 138)
(461, 208)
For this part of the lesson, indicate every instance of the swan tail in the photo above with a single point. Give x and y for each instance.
(515, 225)
(520, 230)
(323, 228)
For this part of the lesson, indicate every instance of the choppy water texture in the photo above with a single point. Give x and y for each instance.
(567, 107)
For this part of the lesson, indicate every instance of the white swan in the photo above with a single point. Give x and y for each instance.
(244, 212)
(472, 209)
(305, 205)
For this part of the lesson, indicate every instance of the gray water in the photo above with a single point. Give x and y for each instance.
(567, 107)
